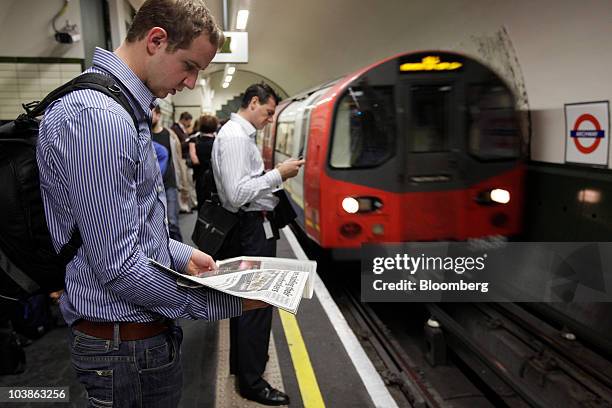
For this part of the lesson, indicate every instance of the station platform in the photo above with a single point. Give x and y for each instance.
(314, 357)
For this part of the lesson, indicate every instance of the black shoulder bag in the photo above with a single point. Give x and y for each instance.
(214, 222)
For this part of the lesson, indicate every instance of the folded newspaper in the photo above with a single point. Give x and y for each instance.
(280, 282)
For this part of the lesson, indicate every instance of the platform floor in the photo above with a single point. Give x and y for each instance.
(307, 360)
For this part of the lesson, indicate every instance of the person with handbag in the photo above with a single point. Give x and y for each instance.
(200, 148)
(246, 190)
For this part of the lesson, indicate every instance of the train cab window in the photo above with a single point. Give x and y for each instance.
(364, 130)
(430, 115)
(492, 126)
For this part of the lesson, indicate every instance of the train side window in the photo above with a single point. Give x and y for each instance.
(305, 130)
(492, 125)
(289, 138)
(281, 138)
(284, 138)
(429, 127)
(364, 129)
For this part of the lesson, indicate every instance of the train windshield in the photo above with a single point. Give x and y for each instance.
(364, 131)
(492, 125)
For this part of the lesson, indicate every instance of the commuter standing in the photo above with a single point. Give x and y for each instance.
(245, 189)
(182, 130)
(161, 135)
(200, 148)
(187, 197)
(98, 174)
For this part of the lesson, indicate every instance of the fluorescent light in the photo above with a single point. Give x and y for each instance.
(231, 70)
(225, 84)
(241, 20)
(203, 82)
(228, 78)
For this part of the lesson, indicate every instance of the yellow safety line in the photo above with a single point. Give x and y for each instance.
(307, 381)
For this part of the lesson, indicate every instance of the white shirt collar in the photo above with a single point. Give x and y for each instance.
(247, 126)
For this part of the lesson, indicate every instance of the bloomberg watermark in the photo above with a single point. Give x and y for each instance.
(487, 271)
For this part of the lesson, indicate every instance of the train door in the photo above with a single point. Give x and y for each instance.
(433, 141)
(432, 160)
(302, 123)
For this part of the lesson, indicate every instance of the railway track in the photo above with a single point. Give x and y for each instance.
(510, 357)
(473, 354)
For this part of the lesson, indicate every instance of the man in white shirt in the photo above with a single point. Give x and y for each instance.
(245, 188)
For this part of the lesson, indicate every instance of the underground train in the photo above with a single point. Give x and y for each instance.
(421, 146)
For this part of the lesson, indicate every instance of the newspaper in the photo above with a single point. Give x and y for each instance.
(280, 282)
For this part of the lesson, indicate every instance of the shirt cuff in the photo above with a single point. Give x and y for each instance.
(212, 305)
(181, 254)
(274, 178)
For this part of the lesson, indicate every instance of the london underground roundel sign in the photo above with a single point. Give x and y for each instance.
(580, 136)
(587, 133)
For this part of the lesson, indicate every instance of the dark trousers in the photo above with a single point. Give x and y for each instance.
(139, 373)
(249, 333)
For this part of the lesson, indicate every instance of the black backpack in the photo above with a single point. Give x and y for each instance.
(28, 262)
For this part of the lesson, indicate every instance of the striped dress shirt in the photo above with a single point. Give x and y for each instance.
(238, 169)
(98, 173)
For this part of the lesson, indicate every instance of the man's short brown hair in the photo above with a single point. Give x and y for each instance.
(183, 20)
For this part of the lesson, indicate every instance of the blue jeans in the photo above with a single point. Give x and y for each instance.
(140, 373)
(173, 214)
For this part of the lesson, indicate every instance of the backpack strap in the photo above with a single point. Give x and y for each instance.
(91, 80)
(97, 82)
(71, 247)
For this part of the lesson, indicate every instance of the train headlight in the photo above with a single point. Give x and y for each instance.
(350, 205)
(354, 205)
(501, 196)
(494, 196)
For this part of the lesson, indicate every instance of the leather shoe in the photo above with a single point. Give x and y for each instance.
(267, 396)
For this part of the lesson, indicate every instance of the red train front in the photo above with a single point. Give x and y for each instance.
(419, 147)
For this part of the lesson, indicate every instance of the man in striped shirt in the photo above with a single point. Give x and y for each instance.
(99, 174)
(244, 188)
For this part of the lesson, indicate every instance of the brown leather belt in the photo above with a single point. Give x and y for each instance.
(128, 331)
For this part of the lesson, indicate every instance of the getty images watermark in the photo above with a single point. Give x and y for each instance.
(422, 263)
(487, 271)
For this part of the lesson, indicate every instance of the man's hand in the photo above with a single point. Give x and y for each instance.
(55, 296)
(250, 304)
(200, 264)
(289, 168)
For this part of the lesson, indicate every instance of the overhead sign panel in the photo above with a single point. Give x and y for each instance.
(235, 49)
(587, 133)
(430, 63)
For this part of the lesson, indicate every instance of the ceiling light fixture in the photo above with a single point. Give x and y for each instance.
(241, 20)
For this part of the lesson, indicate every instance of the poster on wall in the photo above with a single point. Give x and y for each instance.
(587, 133)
